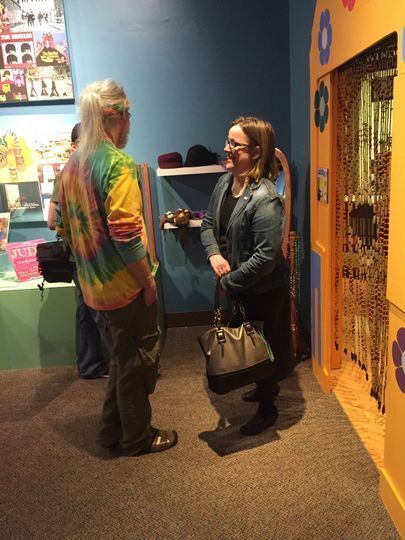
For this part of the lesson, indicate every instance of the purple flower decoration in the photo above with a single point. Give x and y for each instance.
(324, 37)
(321, 106)
(398, 356)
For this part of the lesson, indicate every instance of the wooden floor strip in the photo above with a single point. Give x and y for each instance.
(353, 393)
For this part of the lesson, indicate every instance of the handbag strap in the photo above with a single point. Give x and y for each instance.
(238, 307)
(217, 306)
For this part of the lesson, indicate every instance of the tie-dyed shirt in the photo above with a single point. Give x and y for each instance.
(99, 205)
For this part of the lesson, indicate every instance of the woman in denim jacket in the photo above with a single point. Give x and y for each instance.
(242, 234)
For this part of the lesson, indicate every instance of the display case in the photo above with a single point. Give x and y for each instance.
(35, 330)
(38, 330)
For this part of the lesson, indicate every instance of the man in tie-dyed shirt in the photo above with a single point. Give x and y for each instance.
(101, 218)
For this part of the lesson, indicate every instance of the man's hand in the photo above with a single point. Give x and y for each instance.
(149, 294)
(219, 265)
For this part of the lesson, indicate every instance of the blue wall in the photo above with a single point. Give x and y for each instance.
(301, 17)
(188, 66)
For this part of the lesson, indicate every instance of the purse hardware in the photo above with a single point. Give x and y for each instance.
(249, 328)
(220, 335)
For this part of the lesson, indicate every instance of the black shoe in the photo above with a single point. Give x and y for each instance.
(259, 423)
(250, 396)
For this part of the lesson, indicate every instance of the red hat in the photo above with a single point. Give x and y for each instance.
(170, 161)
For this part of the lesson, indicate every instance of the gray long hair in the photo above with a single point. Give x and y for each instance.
(100, 102)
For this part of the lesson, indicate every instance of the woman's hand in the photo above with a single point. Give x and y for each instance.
(219, 265)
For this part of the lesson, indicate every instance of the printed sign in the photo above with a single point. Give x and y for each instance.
(23, 257)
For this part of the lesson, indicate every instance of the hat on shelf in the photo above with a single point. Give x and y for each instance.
(170, 161)
(199, 156)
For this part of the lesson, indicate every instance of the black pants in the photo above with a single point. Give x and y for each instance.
(273, 308)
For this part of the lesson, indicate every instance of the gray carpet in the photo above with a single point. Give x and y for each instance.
(307, 478)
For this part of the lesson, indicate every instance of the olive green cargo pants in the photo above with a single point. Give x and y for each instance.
(133, 333)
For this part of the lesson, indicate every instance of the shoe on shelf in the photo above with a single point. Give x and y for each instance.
(259, 423)
(163, 440)
(250, 396)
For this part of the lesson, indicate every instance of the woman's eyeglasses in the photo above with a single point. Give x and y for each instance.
(234, 145)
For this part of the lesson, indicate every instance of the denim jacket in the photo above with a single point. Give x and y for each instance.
(254, 237)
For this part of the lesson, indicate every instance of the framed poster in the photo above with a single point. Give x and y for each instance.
(34, 54)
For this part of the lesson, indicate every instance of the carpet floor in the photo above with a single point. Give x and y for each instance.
(308, 477)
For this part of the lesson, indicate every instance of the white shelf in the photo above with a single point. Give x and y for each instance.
(191, 224)
(191, 170)
(12, 284)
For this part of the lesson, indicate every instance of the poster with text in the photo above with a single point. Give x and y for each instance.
(23, 257)
(23, 201)
(34, 53)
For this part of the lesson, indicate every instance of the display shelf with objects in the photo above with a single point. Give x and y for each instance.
(187, 279)
(191, 224)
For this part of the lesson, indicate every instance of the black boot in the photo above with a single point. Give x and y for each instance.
(259, 423)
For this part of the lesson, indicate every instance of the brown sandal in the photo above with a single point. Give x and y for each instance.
(163, 440)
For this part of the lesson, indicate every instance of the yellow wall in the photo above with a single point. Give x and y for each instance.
(353, 31)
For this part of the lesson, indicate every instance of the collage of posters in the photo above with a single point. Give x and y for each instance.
(34, 55)
(29, 164)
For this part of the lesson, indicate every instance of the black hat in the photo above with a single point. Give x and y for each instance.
(198, 156)
(170, 161)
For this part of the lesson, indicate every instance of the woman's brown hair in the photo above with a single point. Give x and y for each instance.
(260, 134)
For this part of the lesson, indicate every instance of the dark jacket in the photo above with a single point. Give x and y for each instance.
(253, 237)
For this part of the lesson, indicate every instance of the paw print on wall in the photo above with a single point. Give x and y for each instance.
(321, 113)
(349, 4)
(398, 357)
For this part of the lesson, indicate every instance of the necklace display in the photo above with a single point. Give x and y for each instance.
(362, 194)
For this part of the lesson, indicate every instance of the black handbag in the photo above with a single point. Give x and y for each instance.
(234, 357)
(54, 263)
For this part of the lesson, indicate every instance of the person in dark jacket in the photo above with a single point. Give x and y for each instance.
(242, 235)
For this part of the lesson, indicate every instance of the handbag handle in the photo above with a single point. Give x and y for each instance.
(218, 316)
(236, 306)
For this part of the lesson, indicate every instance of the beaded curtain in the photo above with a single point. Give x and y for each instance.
(364, 142)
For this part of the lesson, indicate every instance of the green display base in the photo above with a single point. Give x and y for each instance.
(37, 332)
(40, 332)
